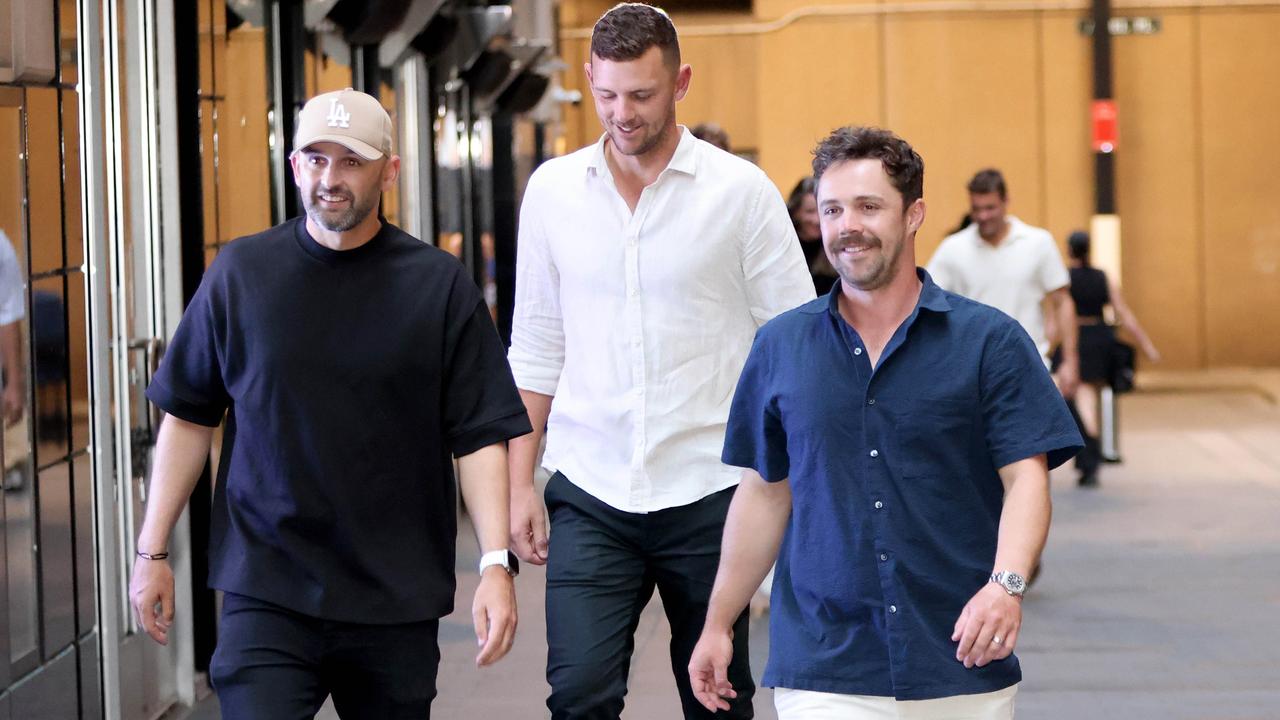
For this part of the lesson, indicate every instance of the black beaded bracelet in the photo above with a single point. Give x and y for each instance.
(153, 556)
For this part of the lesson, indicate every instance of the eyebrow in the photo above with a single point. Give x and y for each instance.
(860, 198)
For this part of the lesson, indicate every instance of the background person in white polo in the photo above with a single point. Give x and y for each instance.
(646, 263)
(1014, 267)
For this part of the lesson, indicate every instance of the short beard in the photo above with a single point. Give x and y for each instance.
(881, 276)
(344, 221)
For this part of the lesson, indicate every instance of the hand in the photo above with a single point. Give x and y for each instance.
(1151, 352)
(494, 613)
(151, 592)
(1067, 378)
(528, 524)
(709, 669)
(990, 614)
(13, 403)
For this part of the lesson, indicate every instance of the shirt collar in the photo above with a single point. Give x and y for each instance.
(1017, 229)
(931, 297)
(684, 160)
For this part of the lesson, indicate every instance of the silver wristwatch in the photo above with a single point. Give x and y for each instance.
(1012, 582)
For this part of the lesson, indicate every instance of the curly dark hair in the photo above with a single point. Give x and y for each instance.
(629, 29)
(901, 162)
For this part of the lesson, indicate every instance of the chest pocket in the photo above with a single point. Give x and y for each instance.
(932, 436)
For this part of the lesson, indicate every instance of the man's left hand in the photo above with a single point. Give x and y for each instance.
(988, 626)
(1067, 378)
(494, 613)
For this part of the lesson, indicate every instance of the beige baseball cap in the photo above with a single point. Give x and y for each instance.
(352, 119)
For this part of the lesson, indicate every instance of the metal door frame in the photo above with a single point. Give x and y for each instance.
(147, 35)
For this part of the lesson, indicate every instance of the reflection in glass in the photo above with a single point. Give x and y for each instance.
(49, 351)
(16, 467)
(44, 186)
(78, 361)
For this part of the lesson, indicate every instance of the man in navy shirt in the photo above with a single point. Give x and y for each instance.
(897, 440)
(352, 363)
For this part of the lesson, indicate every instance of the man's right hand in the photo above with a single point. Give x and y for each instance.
(528, 524)
(151, 592)
(709, 669)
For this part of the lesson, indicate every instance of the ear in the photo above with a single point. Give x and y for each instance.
(295, 157)
(915, 216)
(683, 76)
(390, 173)
(586, 66)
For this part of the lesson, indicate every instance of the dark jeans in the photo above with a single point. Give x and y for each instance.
(602, 568)
(275, 664)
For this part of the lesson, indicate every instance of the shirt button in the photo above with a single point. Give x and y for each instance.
(857, 351)
(893, 609)
(879, 504)
(875, 453)
(884, 556)
(871, 401)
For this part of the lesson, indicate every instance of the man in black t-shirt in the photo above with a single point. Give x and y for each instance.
(352, 363)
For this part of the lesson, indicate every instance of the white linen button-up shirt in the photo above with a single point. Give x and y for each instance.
(640, 323)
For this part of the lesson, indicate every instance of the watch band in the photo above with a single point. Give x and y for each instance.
(497, 557)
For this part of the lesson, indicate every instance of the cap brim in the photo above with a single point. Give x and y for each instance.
(363, 149)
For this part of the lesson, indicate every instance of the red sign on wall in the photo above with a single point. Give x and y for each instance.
(1104, 126)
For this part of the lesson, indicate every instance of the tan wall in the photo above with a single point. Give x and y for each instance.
(1196, 165)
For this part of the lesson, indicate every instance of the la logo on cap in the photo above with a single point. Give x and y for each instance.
(338, 115)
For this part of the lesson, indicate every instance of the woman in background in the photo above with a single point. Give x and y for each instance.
(803, 207)
(1092, 291)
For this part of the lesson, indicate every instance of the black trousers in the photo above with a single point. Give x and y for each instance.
(603, 566)
(276, 664)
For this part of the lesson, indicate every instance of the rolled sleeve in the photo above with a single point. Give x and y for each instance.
(1023, 413)
(772, 261)
(537, 329)
(754, 437)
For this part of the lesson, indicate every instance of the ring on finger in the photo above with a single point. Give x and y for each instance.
(995, 640)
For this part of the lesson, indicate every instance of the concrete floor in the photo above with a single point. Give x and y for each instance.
(1159, 595)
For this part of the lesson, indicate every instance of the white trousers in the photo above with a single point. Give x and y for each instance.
(811, 705)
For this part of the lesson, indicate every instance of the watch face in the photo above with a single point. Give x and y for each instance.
(1014, 583)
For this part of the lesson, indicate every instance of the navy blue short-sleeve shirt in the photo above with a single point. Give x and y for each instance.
(896, 495)
(349, 381)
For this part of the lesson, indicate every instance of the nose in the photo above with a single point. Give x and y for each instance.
(850, 223)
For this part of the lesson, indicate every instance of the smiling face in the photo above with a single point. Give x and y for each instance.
(636, 99)
(865, 229)
(988, 211)
(340, 189)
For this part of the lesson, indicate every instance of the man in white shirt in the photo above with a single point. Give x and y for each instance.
(646, 263)
(12, 309)
(1003, 262)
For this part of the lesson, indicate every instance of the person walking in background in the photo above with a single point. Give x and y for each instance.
(802, 205)
(13, 308)
(897, 440)
(353, 363)
(1091, 292)
(712, 133)
(1003, 262)
(646, 263)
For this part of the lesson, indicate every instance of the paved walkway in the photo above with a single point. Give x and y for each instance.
(1159, 598)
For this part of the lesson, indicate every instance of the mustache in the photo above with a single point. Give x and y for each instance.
(854, 240)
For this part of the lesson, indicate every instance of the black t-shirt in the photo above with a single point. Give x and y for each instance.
(1089, 291)
(350, 378)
